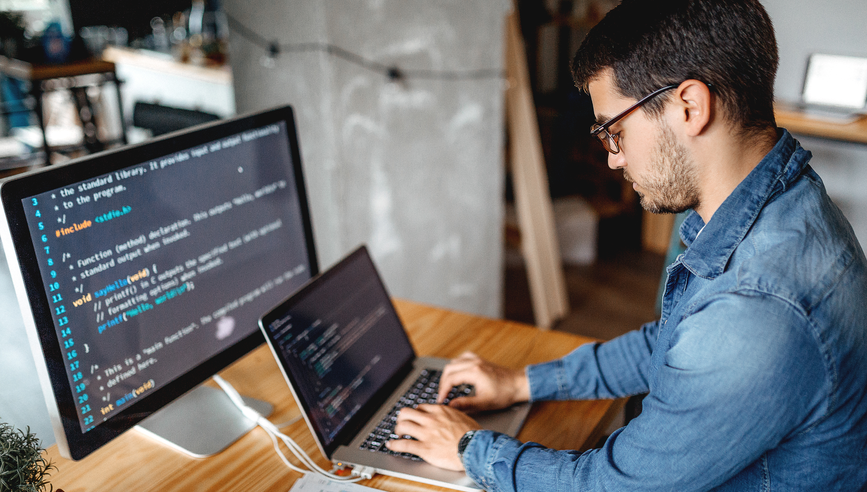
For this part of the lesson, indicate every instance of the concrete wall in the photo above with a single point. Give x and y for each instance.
(21, 400)
(840, 27)
(414, 168)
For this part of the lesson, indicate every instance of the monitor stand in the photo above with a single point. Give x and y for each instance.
(203, 422)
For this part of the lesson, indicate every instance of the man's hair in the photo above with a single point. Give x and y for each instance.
(728, 44)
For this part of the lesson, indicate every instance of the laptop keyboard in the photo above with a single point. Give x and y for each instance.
(424, 390)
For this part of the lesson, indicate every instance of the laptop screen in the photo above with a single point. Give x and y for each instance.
(341, 345)
(833, 80)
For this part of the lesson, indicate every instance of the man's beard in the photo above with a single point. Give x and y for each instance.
(671, 183)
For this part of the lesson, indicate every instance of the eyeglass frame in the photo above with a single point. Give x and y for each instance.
(609, 141)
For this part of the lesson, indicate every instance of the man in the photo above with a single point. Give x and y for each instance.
(756, 371)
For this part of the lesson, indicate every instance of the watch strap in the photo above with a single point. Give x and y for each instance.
(464, 442)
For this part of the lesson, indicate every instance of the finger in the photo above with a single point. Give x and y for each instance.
(466, 373)
(404, 446)
(411, 421)
(458, 367)
(443, 390)
(419, 423)
(426, 413)
(465, 403)
(419, 414)
(408, 428)
(462, 362)
(407, 413)
(468, 355)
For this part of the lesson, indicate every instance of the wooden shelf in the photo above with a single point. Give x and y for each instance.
(35, 73)
(802, 123)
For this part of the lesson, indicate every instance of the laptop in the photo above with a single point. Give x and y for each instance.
(835, 87)
(347, 359)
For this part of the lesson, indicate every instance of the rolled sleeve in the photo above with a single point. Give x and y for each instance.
(500, 463)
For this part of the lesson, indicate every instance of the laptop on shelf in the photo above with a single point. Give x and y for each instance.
(835, 87)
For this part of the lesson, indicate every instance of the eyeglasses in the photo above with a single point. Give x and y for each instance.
(611, 142)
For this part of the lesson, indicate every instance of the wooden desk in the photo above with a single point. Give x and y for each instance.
(802, 123)
(134, 463)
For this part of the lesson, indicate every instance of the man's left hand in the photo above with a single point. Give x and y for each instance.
(438, 429)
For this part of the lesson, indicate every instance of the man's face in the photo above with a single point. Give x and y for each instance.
(659, 167)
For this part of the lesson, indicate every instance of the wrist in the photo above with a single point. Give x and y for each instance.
(522, 386)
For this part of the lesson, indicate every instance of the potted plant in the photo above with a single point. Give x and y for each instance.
(22, 464)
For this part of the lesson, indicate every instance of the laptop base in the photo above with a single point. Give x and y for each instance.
(507, 421)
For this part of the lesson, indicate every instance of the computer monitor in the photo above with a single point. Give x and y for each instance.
(142, 272)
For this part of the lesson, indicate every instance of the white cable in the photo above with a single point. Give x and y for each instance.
(274, 433)
(287, 423)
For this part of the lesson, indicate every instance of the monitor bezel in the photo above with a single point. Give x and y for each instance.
(34, 303)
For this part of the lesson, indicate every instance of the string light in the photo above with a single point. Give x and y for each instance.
(274, 49)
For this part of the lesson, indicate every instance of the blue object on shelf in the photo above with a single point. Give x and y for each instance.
(55, 44)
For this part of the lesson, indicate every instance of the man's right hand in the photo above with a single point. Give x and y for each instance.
(495, 386)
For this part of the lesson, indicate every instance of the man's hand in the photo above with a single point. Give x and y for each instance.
(438, 429)
(495, 387)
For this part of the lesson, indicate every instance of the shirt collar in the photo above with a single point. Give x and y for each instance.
(708, 255)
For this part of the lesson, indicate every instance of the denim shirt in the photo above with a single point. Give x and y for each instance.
(756, 371)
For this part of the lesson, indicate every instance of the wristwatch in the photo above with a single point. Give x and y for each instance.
(464, 442)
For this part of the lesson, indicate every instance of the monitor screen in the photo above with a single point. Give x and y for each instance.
(143, 271)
